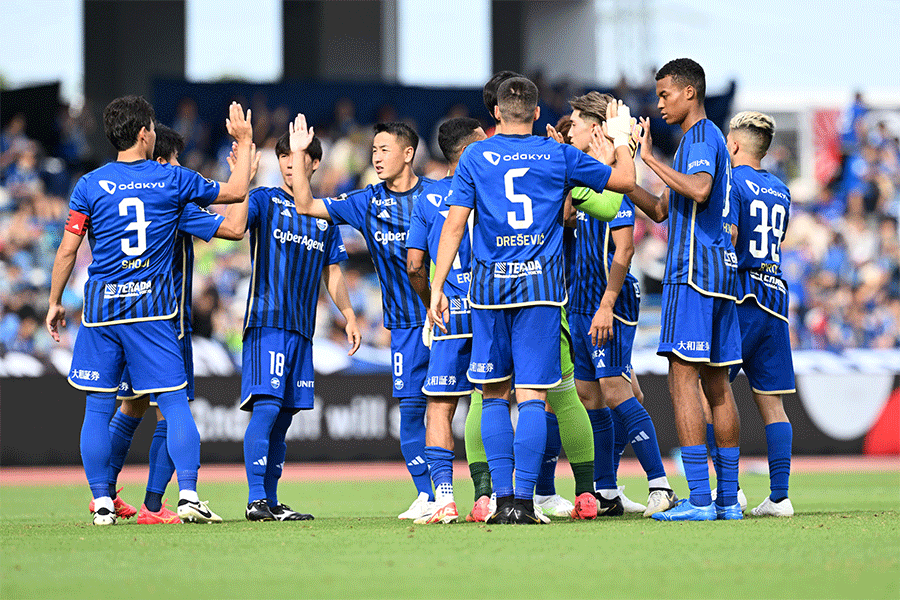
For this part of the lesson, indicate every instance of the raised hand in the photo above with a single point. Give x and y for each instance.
(300, 136)
(646, 140)
(231, 159)
(618, 122)
(238, 125)
(601, 146)
(554, 134)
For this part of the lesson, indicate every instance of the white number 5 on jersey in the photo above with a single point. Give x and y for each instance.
(527, 217)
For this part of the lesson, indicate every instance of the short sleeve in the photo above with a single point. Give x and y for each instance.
(462, 188)
(584, 170)
(701, 159)
(199, 222)
(625, 215)
(418, 227)
(77, 201)
(350, 209)
(734, 205)
(193, 187)
(336, 251)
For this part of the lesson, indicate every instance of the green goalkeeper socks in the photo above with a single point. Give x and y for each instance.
(575, 432)
(475, 454)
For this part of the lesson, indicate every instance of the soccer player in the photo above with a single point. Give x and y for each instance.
(446, 379)
(604, 305)
(760, 208)
(130, 208)
(699, 333)
(290, 254)
(205, 225)
(568, 425)
(517, 184)
(381, 213)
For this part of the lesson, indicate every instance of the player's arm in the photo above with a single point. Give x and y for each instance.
(695, 186)
(238, 184)
(602, 323)
(62, 270)
(234, 225)
(734, 235)
(301, 137)
(655, 207)
(417, 270)
(448, 246)
(603, 206)
(333, 278)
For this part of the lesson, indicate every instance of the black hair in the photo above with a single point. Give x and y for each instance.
(517, 98)
(403, 132)
(453, 133)
(168, 143)
(283, 146)
(685, 72)
(123, 119)
(489, 91)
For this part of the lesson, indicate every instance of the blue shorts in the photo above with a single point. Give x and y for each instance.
(126, 390)
(409, 362)
(277, 362)
(447, 368)
(699, 328)
(766, 348)
(598, 362)
(523, 340)
(149, 347)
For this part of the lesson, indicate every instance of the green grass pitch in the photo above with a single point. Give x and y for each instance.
(844, 543)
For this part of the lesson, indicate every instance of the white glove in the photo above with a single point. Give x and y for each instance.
(427, 334)
(619, 127)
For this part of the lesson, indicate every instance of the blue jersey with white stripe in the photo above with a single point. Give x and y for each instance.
(134, 209)
(594, 251)
(194, 221)
(382, 216)
(517, 185)
(700, 252)
(760, 208)
(288, 252)
(428, 217)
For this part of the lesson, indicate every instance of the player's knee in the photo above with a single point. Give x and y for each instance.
(136, 407)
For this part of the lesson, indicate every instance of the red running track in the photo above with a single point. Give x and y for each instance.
(393, 471)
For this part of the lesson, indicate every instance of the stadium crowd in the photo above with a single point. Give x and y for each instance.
(841, 254)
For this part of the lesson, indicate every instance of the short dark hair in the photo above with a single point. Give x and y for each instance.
(685, 72)
(403, 132)
(283, 146)
(489, 91)
(517, 98)
(452, 135)
(592, 106)
(168, 143)
(123, 119)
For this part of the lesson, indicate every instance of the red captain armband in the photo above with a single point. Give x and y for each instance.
(77, 222)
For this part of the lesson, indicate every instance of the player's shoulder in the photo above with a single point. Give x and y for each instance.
(263, 191)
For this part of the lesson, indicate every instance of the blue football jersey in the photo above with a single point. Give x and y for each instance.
(382, 216)
(594, 251)
(428, 217)
(134, 209)
(700, 252)
(760, 208)
(288, 252)
(517, 185)
(194, 221)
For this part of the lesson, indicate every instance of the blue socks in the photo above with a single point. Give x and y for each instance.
(440, 463)
(696, 469)
(161, 468)
(642, 435)
(95, 444)
(497, 434)
(121, 433)
(183, 439)
(728, 476)
(530, 439)
(256, 444)
(412, 442)
(546, 481)
(620, 441)
(277, 452)
(604, 436)
(779, 437)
